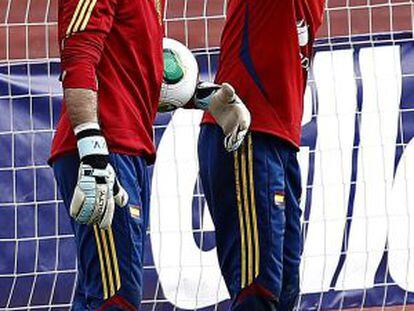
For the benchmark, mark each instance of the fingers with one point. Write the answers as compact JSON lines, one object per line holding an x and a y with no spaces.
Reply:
{"x":120,"y":195}
{"x":100,"y":204}
{"x":109,"y":214}
{"x":246,"y":119}
{"x":77,"y":201}
{"x":95,"y":196}
{"x":237,"y":125}
{"x":227,"y":92}
{"x":82,"y":206}
{"x":223,"y":96}
{"x":233,"y":141}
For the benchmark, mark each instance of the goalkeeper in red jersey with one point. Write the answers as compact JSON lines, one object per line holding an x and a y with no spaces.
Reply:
{"x":253,"y":194}
{"x":112,"y":69}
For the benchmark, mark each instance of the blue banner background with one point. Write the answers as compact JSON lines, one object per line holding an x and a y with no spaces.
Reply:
{"x":37,"y":249}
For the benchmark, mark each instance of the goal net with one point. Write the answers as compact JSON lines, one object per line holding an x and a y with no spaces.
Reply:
{"x":356,"y":156}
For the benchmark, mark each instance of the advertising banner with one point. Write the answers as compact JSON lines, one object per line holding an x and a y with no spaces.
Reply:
{"x":357,"y":173}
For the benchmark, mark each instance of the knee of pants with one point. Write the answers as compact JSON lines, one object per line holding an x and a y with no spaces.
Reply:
{"x":289,"y":295}
{"x":287,"y":304}
{"x":78,"y":305}
{"x":117,"y":303}
{"x":256,"y":303}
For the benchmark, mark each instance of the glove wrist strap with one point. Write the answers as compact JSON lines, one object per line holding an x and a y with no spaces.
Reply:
{"x":92,"y":146}
{"x":203,"y":95}
{"x":86,"y":126}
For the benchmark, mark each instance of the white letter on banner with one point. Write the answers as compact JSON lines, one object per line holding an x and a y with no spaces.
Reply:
{"x":303,"y":156}
{"x":381,"y":77}
{"x":190,"y":278}
{"x":335,"y":80}
{"x":401,"y":222}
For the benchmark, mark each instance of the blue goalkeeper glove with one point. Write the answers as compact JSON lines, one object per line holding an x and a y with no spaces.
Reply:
{"x":98,"y":188}
{"x":227,"y":108}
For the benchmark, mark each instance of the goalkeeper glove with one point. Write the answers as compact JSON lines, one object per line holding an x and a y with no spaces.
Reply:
{"x":227,"y":108}
{"x":98,"y":188}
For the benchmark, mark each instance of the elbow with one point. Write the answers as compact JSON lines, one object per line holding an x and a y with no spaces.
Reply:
{"x":79,"y":59}
{"x":79,"y":75}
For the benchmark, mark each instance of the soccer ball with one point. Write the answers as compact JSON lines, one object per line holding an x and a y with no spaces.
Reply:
{"x":181,"y":74}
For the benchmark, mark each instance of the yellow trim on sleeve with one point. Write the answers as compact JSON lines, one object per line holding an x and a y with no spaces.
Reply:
{"x":81,"y":16}
{"x":74,"y":17}
{"x":88,"y":15}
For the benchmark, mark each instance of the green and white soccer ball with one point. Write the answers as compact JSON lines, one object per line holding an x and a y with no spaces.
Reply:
{"x":181,"y":74}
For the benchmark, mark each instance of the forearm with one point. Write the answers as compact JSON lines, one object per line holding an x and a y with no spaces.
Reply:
{"x":81,"y":105}
{"x":82,"y":111}
{"x":79,"y":60}
{"x":97,"y":189}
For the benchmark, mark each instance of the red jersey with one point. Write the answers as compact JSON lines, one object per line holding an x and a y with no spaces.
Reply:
{"x":266,"y":49}
{"x":113,"y":47}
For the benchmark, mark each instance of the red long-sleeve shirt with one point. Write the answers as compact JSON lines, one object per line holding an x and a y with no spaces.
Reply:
{"x":266,"y":49}
{"x":113,"y":47}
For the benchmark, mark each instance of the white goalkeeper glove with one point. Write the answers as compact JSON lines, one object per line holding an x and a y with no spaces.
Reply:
{"x":227,"y":108}
{"x":98,"y":188}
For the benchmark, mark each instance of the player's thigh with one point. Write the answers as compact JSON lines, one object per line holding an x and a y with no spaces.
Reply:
{"x":264,"y":209}
{"x":242,"y":190}
{"x":110,"y":261}
{"x":65,"y":169}
{"x":129,"y":227}
{"x":293,"y":232}
{"x":217,"y":172}
{"x":293,"y":235}
{"x":66,"y":174}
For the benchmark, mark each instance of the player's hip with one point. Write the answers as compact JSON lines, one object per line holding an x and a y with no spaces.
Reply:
{"x":259,"y":141}
{"x":110,"y":260}
{"x":250,"y":194}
